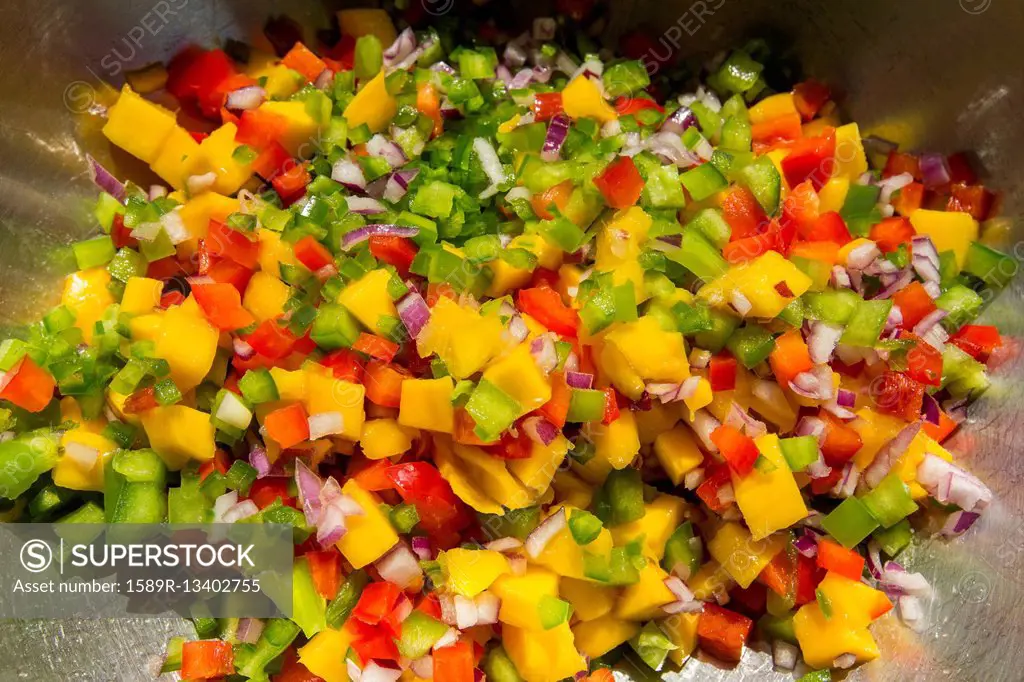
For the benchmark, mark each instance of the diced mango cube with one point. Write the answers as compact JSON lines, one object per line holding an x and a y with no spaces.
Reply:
{"x":291,"y":385}
{"x":462,"y":338}
{"x":518,"y":375}
{"x":597,"y":637}
{"x":661,"y":517}
{"x":832,"y":195}
{"x":536,"y":471}
{"x":572,"y":490}
{"x":188,"y":343}
{"x":176,"y":158}
{"x":372,"y":105}
{"x":589,"y":600}
{"x":520,"y":596}
{"x":301,"y":131}
{"x":455,"y":470}
{"x":216,"y":154}
{"x":850,"y":159}
{"x":563,"y":556}
{"x":370,"y":534}
{"x":652,"y":352}
{"x":949,"y":230}
{"x":198,"y":211}
{"x":493,"y":478}
{"x":138,"y":126}
{"x":471,"y":571}
{"x":427,"y":404}
{"x":384,"y":438}
{"x":773,"y":106}
{"x":141,"y":295}
{"x":363,"y":22}
{"x":768,"y":496}
{"x":265,"y":296}
{"x":368,"y":299}
{"x":68,"y":473}
{"x":644,"y":599}
{"x":740,"y":554}
{"x":617,"y":443}
{"x":327,"y":394}
{"x":324,"y":655}
{"x":677,"y":452}
{"x":178,"y":434}
{"x":653,"y":422}
{"x":876,"y":430}
{"x":87,"y":296}
{"x":274,"y":252}
{"x":756,"y":280}
{"x":681,"y":629}
{"x":543,"y":655}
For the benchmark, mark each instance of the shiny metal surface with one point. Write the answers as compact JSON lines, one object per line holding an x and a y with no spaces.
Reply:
{"x":934,"y":74}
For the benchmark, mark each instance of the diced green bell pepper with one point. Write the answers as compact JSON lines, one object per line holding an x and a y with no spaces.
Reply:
{"x":894,"y":540}
{"x":334,"y":327}
{"x":890,"y":502}
{"x":369,"y":57}
{"x":499,"y":667}
{"x":703,"y":181}
{"x":257,"y":386}
{"x":850,"y":522}
{"x":738,"y":73}
{"x":584,"y":526}
{"x":652,"y":645}
{"x":711,"y":223}
{"x":799,"y":451}
{"x":94,"y":252}
{"x":835,"y":306}
{"x":680,"y":550}
{"x":777,"y":627}
{"x":348,"y":595}
{"x":308,"y":607}
{"x":698,"y":255}
{"x":23,"y":459}
{"x":751,"y":344}
{"x":419,"y":634}
{"x":404,"y":518}
{"x":585,"y":405}
{"x":90,"y":512}
{"x":625,"y":79}
{"x":866,"y":323}
{"x":492,"y":409}
{"x":762,"y":178}
{"x":992,"y":267}
{"x":624,"y":492}
{"x":723,"y":326}
{"x":962,"y":304}
{"x":251,"y":660}
{"x":552,"y":611}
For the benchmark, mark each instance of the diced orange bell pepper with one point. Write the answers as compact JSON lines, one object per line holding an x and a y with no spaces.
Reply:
{"x":909,"y":199}
{"x":809,"y":97}
{"x":891,"y":233}
{"x":384,"y":383}
{"x":741,"y":210}
{"x":291,"y":184}
{"x":557,"y":408}
{"x":841,"y":442}
{"x":428,"y":102}
{"x":556,"y":194}
{"x":301,"y":59}
{"x":31,"y":387}
{"x":914,"y":304}
{"x":206,"y":659}
{"x":376,"y":347}
{"x":826,"y":252}
{"x":785,"y":128}
{"x":739,"y":450}
{"x":222,"y":305}
{"x":790,"y":357}
{"x":288,"y":426}
{"x":811,"y":158}
{"x":325,"y":567}
{"x":454,"y":663}
{"x":898,"y":163}
{"x":312,"y":253}
{"x":224,"y":242}
{"x":834,"y":557}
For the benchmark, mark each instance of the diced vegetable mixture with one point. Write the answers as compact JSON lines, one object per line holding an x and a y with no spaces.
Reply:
{"x":545,"y":365}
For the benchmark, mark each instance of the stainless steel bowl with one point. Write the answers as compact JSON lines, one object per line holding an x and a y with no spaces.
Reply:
{"x":944,"y":75}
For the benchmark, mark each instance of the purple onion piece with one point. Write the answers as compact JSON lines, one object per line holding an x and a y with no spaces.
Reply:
{"x":934,"y":170}
{"x":579,"y":379}
{"x":105,"y":180}
{"x":414,"y":313}
{"x":362,"y":234}
{"x":930,"y":409}
{"x":558,"y":130}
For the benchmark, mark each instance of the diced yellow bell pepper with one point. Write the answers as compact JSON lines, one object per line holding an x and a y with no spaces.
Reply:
{"x":743,"y":557}
{"x":518,"y":375}
{"x":141,"y":295}
{"x":644,"y":599}
{"x":68,"y":473}
{"x":138,"y":126}
{"x":773,"y":107}
{"x":563,"y":556}
{"x":427,"y":404}
{"x":543,"y":655}
{"x":471,"y":571}
{"x":176,"y":158}
{"x":291,"y":385}
{"x":520,"y":596}
{"x":589,"y":600}
{"x":681,"y":629}
{"x":582,"y":99}
{"x":661,"y":517}
{"x":832,"y":195}
{"x":710,"y":581}
{"x":493,"y":478}
{"x":455,"y":471}
{"x":368,"y":299}
{"x":655,"y":421}
{"x":757,"y":280}
{"x":179,"y":434}
{"x":362,"y":22}
{"x":850,"y":160}
{"x":571,"y":490}
{"x":217,"y":155}
{"x":324,"y":655}
{"x":536,"y":471}
{"x":327,"y":394}
{"x":875,"y":430}
{"x":768,"y":496}
{"x":370,"y":534}
{"x":265,"y":296}
{"x":655,"y":354}
{"x":372,"y":105}
{"x":462,"y":338}
{"x":189,"y":344}
{"x":302,"y":129}
{"x":384,"y":438}
{"x":200,"y":210}
{"x":87,"y":296}
{"x":949,"y":230}
{"x":597,"y":637}
{"x":617,"y":443}
{"x":677,"y":452}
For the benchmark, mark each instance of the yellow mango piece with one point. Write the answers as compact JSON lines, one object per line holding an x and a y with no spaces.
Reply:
{"x":327,"y":394}
{"x":769,"y":401}
{"x":427,"y":404}
{"x":742,"y":556}
{"x":141,"y":295}
{"x":368,"y":299}
{"x":617,"y":443}
{"x":216,"y":154}
{"x":643,"y":600}
{"x":520,"y":596}
{"x":701,"y":397}
{"x":536,"y":471}
{"x":505,"y":278}
{"x":678,"y":453}
{"x":189,"y":344}
{"x":653,"y":422}
{"x":115,"y":401}
{"x":619,"y":244}
{"x":493,"y":478}
{"x":372,"y":105}
{"x":70,"y":411}
{"x":138,"y":126}
{"x":661,"y":517}
{"x":572,"y":490}
{"x":710,"y":581}
{"x":302,"y":129}
{"x":265,"y":296}
{"x":597,"y":637}
{"x":850,"y":160}
{"x":463,"y":338}
{"x":543,"y":655}
{"x":384,"y":438}
{"x":652,"y":352}
{"x":768,"y":496}
{"x":616,"y":368}
{"x":832,"y":195}
{"x":455,"y":471}
{"x":200,"y":210}
{"x":949,"y":230}
{"x":518,"y":375}
{"x":756,"y":280}
{"x":589,"y":600}
{"x":370,"y":535}
{"x":681,"y":629}
{"x":176,"y":157}
{"x":87,"y":296}
{"x":822,"y":639}
{"x":772,"y":107}
{"x":563,"y":556}
{"x":274,"y":252}
{"x":324,"y":655}
{"x":362,"y":22}
{"x":179,"y":434}
{"x":291,"y":385}
{"x":875,"y":430}
{"x":906,"y":465}
{"x":471,"y":571}
{"x":283,"y":82}
{"x":68,"y":473}
{"x":582,"y":99}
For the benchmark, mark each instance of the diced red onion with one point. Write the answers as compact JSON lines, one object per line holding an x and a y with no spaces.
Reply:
{"x":704,"y":423}
{"x":889,"y":453}
{"x":784,"y":655}
{"x":845,"y":661}
{"x":105,"y":180}
{"x":249,"y":630}
{"x":891,"y":184}
{"x":242,"y":349}
{"x":726,"y":494}
{"x":810,"y":426}
{"x":423,"y":667}
{"x":81,"y":454}
{"x":566,"y":64}
{"x":325,"y":424}
{"x":414,"y":313}
{"x":487,"y":605}
{"x":514,"y":55}
{"x":222,"y":504}
{"x":670,"y":146}
{"x":678,"y":122}
{"x":400,"y":566}
{"x":504,"y":544}
{"x":197,"y":184}
{"x":738,"y":418}
{"x":896,"y":284}
{"x":544,"y":533}
{"x":517,"y":328}
{"x":893,"y":321}
{"x":936,"y":337}
{"x":309,"y":486}
{"x":685,"y":601}
{"x":540,"y":430}
{"x":376,"y":673}
{"x":421,"y":547}
{"x":558,"y":130}
{"x":542,"y":348}
{"x":930,"y":409}
{"x":398,"y":184}
{"x":807,"y":545}
{"x":354,"y":237}
{"x":934,"y":289}
{"x":465,"y":612}
{"x":847,"y":483}
{"x":579,"y":379}
{"x":949,"y":484}
{"x":364,"y":205}
{"x":402,"y":47}
{"x":517,"y":564}
{"x":700,"y":358}
{"x":897,"y":580}
{"x":259,"y":460}
{"x":934,"y":170}
{"x":910,"y":611}
{"x":822,"y":341}
{"x":350,"y":174}
{"x":740,"y":303}
{"x":242,"y":510}
{"x":693,"y":478}
{"x":815,"y":384}
{"x":838,"y":410}
{"x":959,"y":522}
{"x":381,"y":147}
{"x":846,"y":398}
{"x":929,"y":321}
{"x":243,"y":99}
{"x":818,"y":468}
{"x":840,"y":277}
{"x":491,"y":164}
{"x":862,"y":256}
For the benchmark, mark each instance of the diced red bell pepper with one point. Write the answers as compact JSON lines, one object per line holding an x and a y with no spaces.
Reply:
{"x":376,"y":347}
{"x":430,"y":605}
{"x":511,"y":447}
{"x":545,"y":305}
{"x":224,"y":242}
{"x":164,"y":268}
{"x":264,"y":491}
{"x":924,"y":361}
{"x":723,"y":633}
{"x":207,"y":659}
{"x":834,"y":557}
{"x":345,"y":364}
{"x":384,"y":383}
{"x":961,"y":172}
{"x":811,"y":158}
{"x":972,"y":199}
{"x":272,"y":161}
{"x":627,"y":106}
{"x":325,"y":568}
{"x":312,"y":253}
{"x":808,"y":575}
{"x":809,"y":97}
{"x":454,"y":663}
{"x":121,"y":235}
{"x":620,"y":183}
{"x":841,"y":442}
{"x":750,"y":600}
{"x":31,"y":387}
{"x":271,"y":340}
{"x":914,"y":304}
{"x":227,"y":271}
{"x":396,"y":251}
{"x":547,"y":105}
{"x":898,"y":163}
{"x":777,"y":237}
{"x":722,"y":372}
{"x":741,"y":210}
{"x":739,"y":450}
{"x":941,"y":431}
{"x":785,"y":128}
{"x":222,"y":305}
{"x":716,"y":477}
{"x":801,"y":209}
{"x":195,"y":76}
{"x":220,"y":463}
{"x":641,"y":45}
{"x":557,"y":408}
{"x":373,"y":643}
{"x":897,"y":394}
{"x":780,"y":574}
{"x":141,"y":401}
{"x":288,"y":426}
{"x":977,"y":340}
{"x":611,"y":406}
{"x":891,"y":233}
{"x":908,"y":199}
{"x":291,"y":183}
{"x":300,"y":58}
{"x":830,"y":227}
{"x":258,"y":128}
{"x":421,"y":485}
{"x":558,"y":195}
{"x":820,"y":486}
{"x":371,"y":475}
